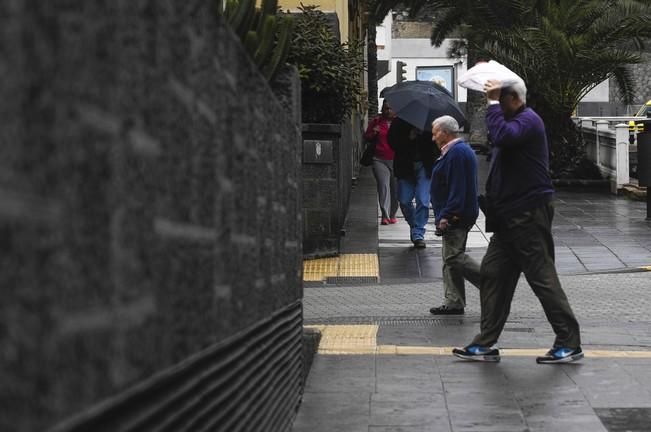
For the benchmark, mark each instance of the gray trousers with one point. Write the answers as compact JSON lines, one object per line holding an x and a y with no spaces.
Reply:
{"x":457,"y":267}
{"x":524,"y":244}
{"x":387,"y":189}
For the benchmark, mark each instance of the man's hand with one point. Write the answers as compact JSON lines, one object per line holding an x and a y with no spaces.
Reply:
{"x":443,"y":224}
{"x":493,"y":90}
{"x":376,"y":129}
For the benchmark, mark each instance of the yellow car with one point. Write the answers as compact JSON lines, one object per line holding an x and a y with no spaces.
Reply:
{"x":643,"y":112}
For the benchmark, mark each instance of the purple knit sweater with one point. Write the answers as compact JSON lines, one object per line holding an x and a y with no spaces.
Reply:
{"x":518,"y":178}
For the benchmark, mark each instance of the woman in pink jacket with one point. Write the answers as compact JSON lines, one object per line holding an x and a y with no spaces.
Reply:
{"x":377,"y":131}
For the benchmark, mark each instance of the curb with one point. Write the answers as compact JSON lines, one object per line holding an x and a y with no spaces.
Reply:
{"x":311,"y":340}
{"x":582,"y":183}
{"x":641,"y":269}
{"x":634,"y":192}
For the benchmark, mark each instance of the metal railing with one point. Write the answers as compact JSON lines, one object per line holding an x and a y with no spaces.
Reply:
{"x":607,"y":145}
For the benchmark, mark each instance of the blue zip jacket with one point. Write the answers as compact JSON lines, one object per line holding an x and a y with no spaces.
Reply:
{"x":454,"y":186}
{"x":518,"y":179}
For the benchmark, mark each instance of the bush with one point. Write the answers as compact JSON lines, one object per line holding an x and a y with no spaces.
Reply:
{"x":330,"y":72}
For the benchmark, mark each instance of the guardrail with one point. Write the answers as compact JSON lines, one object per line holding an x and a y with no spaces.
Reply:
{"x":612,"y":121}
{"x":608,"y":147}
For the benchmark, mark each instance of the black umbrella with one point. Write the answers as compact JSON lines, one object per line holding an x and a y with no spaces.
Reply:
{"x":420,"y":102}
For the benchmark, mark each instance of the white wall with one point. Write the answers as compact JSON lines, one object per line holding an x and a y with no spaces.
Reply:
{"x":598,"y":94}
{"x":419,"y":48}
{"x":383,"y":38}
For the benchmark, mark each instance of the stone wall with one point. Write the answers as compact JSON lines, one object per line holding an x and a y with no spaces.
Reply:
{"x":642,"y":76}
{"x":330,"y":163}
{"x":615,"y":107}
{"x":149,"y":200}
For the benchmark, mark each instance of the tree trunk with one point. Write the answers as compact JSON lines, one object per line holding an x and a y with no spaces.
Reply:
{"x":372,"y":69}
{"x":565,"y":145}
{"x":567,"y":157}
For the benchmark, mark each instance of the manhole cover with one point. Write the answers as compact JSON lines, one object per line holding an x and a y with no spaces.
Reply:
{"x":389,"y":321}
{"x":424,"y":322}
{"x":351,"y":280}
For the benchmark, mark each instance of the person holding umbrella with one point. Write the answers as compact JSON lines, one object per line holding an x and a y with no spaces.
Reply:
{"x":413,"y":160}
{"x":416,"y":104}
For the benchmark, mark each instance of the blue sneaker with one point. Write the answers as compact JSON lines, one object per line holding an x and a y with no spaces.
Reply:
{"x":561,"y":355}
{"x":476,"y":352}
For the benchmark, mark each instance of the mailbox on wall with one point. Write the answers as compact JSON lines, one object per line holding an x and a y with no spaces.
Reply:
{"x":317,"y":151}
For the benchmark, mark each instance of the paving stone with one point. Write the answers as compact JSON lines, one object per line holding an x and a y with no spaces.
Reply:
{"x":323,"y":410}
{"x":626,"y":419}
{"x":442,"y":426}
{"x":577,"y":423}
{"x":401,"y":411}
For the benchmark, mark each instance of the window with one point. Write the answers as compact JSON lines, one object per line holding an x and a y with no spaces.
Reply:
{"x":443,"y":75}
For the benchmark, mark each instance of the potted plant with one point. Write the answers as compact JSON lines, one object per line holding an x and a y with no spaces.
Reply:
{"x":332,"y":88}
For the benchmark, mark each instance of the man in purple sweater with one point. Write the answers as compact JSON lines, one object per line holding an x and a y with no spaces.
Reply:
{"x":519,"y":195}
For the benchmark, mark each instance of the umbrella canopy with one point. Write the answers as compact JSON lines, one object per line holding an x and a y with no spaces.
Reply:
{"x":420,"y":102}
{"x":475,"y":78}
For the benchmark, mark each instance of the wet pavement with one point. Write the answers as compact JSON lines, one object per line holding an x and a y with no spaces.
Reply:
{"x":384,"y":362}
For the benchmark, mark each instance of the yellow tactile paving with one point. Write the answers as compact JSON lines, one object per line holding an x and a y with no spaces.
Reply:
{"x":647,"y":268}
{"x":362,"y":340}
{"x":319,"y":269}
{"x":358,"y":265}
{"x":346,"y":265}
{"x":347,"y":339}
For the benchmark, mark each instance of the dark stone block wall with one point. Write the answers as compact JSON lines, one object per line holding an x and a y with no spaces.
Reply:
{"x":642,"y":75}
{"x":149,"y":198}
{"x":327,"y":185}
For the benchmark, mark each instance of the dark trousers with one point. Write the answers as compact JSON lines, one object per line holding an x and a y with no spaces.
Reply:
{"x":457,"y":267}
{"x":524,"y":244}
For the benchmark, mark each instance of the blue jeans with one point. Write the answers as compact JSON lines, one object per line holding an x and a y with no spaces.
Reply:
{"x":416,"y":216}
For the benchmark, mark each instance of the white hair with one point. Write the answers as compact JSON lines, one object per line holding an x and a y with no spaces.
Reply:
{"x":520,"y":89}
{"x":447,"y":124}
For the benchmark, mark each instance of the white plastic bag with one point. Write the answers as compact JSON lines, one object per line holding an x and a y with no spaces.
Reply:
{"x":475,"y":78}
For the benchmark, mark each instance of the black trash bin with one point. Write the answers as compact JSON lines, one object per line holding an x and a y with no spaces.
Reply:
{"x":644,"y":161}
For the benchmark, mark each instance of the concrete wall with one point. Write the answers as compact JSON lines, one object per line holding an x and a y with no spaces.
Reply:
{"x":149,"y":205}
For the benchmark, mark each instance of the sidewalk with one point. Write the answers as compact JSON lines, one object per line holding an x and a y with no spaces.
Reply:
{"x":384,"y":362}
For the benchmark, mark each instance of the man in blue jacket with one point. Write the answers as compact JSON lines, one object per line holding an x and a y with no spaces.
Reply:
{"x":519,"y":195}
{"x":454,"y":200}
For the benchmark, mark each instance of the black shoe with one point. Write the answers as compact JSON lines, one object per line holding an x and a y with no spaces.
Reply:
{"x":446,"y":310}
{"x":561,"y":355}
{"x":419,"y":244}
{"x":478,"y":353}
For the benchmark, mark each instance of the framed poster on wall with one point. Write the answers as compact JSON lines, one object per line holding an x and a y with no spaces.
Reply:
{"x":443,"y":75}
